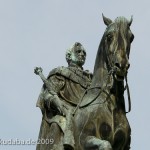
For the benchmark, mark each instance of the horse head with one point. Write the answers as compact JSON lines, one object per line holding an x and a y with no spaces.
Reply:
{"x":117,"y":39}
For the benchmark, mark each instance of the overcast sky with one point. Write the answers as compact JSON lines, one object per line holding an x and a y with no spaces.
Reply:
{"x":38,"y":32}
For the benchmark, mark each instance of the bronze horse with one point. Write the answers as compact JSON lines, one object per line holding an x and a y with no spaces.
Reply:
{"x":101,"y":115}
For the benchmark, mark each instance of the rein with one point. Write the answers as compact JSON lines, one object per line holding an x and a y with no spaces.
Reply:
{"x":77,"y":107}
{"x":128,"y":93}
{"x":102,"y":90}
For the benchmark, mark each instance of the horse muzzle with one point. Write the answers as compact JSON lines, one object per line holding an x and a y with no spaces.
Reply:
{"x":120,"y":71}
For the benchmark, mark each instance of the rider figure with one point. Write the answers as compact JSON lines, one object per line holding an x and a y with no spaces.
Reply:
{"x":60,"y":95}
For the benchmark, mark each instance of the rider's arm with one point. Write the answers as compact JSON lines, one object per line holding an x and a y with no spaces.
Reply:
{"x":51,"y":97}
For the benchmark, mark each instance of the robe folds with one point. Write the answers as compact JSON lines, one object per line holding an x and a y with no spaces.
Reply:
{"x":69,"y":83}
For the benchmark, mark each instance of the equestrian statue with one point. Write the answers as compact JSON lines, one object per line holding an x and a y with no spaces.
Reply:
{"x":83,"y":110}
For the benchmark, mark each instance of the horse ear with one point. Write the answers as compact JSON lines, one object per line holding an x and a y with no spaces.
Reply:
{"x":130,"y":22}
{"x":107,"y":21}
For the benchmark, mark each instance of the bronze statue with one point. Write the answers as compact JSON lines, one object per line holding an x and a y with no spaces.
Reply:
{"x":93,"y":112}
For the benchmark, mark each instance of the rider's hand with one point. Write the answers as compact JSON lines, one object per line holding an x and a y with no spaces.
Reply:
{"x":53,"y":102}
{"x":59,"y":105}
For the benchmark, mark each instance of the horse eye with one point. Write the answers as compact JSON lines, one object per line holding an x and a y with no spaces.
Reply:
{"x":109,"y":37}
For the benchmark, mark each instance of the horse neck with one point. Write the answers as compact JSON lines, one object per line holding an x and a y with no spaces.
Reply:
{"x":101,"y":78}
{"x":100,"y":73}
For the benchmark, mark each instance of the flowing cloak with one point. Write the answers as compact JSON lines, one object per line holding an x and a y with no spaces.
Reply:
{"x":69,"y":83}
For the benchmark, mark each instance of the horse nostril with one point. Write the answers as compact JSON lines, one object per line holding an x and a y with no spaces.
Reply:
{"x":128,"y":66}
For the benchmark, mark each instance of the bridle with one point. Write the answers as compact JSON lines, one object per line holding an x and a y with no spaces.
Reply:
{"x":113,"y":70}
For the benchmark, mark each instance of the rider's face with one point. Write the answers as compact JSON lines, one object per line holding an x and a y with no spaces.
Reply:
{"x":78,"y":56}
